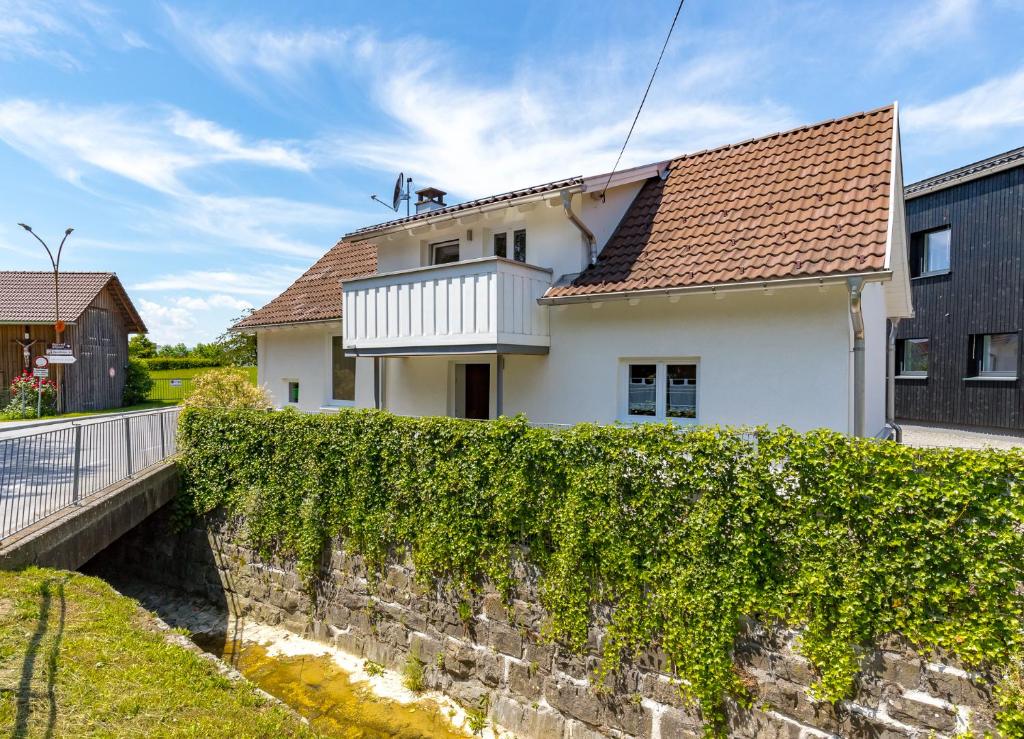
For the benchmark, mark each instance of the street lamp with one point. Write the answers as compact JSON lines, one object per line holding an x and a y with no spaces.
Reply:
{"x":58,"y":327}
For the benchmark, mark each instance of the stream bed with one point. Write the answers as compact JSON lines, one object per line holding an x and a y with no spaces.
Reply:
{"x":313,"y":680}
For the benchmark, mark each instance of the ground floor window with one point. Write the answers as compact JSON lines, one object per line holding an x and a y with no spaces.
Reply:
{"x":995,"y":355}
{"x":343,"y":372}
{"x":665,"y":390}
{"x":912,"y":355}
{"x":293,"y":391}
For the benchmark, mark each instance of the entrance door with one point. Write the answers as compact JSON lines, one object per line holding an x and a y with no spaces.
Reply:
{"x":478,"y":391}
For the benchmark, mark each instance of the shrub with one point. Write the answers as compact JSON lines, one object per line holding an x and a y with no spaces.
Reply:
{"x":137,"y":382}
{"x":23,"y":397}
{"x":679,"y":536}
{"x":156,"y":364}
{"x":227,"y":387}
{"x":413,"y":674}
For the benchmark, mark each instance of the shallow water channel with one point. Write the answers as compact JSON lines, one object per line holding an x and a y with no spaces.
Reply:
{"x":336,"y":702}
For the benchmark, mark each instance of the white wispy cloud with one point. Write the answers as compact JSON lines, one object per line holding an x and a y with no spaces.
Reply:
{"x":58,"y":33}
{"x":991,"y":105}
{"x":152,"y":147}
{"x":472,"y":138}
{"x":259,"y":284}
{"x":917,"y":26}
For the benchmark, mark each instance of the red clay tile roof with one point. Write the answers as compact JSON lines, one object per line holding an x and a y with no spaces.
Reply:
{"x":316,"y":296}
{"x":489,"y":200}
{"x":28,"y":297}
{"x":808,"y":202}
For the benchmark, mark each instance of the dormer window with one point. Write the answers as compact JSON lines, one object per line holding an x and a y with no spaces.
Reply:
{"x":518,"y":238}
{"x":930,"y":252}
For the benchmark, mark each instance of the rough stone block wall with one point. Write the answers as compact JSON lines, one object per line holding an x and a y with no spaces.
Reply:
{"x":493,"y":652}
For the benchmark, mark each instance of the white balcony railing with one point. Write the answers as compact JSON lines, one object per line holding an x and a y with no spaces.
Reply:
{"x":480,"y":305}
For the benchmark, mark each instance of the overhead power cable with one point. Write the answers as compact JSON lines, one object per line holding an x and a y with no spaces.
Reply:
{"x":644,"y":98}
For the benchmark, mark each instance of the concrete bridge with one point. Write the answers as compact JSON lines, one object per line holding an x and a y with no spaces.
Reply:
{"x":70,"y":489}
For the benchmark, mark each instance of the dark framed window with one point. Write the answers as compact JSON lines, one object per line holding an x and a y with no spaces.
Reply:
{"x":680,"y":391}
{"x":519,"y":245}
{"x":445,"y":252}
{"x":293,"y":392}
{"x":662,"y":390}
{"x":343,"y":372}
{"x":912,"y":357}
{"x":930,"y":252}
{"x":995,"y":355}
{"x":501,"y":244}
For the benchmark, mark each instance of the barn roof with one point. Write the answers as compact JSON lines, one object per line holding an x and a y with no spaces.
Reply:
{"x":28,"y":297}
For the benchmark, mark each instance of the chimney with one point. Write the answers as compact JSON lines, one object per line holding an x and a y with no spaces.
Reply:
{"x":430,"y":198}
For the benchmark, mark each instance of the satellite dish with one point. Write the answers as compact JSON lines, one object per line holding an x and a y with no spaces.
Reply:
{"x":397,"y":197}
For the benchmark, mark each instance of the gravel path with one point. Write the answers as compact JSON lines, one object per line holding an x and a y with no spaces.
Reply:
{"x":941,"y":436}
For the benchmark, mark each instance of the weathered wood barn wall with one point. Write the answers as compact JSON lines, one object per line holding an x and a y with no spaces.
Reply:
{"x":98,"y":337}
{"x":982,"y":293}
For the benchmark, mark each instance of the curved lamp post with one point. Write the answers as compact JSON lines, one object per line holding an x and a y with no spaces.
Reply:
{"x":55,"y":261}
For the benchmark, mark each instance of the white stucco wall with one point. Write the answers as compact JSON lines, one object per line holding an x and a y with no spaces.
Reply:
{"x":772,"y":359}
{"x":552,"y":241}
{"x":303,"y":353}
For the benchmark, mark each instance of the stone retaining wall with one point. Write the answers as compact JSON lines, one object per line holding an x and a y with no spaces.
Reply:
{"x":486,"y":652}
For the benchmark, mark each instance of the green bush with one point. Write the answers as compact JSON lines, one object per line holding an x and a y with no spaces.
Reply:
{"x":681,"y":534}
{"x":137,"y":382}
{"x":227,"y":387}
{"x":23,"y":398}
{"x":176,"y":363}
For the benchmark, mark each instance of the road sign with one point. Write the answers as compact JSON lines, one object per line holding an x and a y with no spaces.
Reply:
{"x":60,"y":359}
{"x":59,"y":349}
{"x":175,"y":383}
{"x":41,"y":362}
{"x":41,"y":372}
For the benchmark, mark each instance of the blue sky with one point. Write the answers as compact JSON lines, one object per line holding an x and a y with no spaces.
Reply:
{"x":209,"y":152}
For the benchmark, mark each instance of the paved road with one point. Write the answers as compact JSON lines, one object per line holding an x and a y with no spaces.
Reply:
{"x":942,"y":436}
{"x":37,"y":463}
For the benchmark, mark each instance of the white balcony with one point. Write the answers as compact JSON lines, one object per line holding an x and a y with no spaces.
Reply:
{"x":477,"y":306}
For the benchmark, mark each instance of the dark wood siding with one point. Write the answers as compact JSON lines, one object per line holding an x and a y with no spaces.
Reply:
{"x":99,"y":340}
{"x":983,"y":293}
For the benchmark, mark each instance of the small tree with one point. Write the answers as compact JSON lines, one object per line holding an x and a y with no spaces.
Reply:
{"x":238,"y":349}
{"x":137,"y":382}
{"x":226,"y":388}
{"x":140,"y":347}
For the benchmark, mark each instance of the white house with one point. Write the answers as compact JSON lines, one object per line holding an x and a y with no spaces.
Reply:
{"x":748,"y":284}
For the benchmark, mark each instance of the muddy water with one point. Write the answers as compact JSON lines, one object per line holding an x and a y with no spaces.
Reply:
{"x":318,"y":689}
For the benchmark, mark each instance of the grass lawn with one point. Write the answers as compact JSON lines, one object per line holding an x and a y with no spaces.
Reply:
{"x":77,"y":659}
{"x":183,"y":374}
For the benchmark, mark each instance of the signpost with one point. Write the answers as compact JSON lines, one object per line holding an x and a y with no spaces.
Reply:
{"x":60,"y":354}
{"x":41,"y":369}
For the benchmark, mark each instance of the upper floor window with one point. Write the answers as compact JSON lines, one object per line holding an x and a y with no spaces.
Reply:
{"x":501,"y":240}
{"x":912,"y":357}
{"x":929,"y":252}
{"x":444,"y":252}
{"x":995,"y":355}
{"x":661,"y":390}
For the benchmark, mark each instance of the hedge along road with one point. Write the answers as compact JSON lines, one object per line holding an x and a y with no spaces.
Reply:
{"x":37,"y":461}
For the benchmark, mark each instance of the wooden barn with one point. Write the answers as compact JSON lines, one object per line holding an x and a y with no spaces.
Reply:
{"x":98,"y":317}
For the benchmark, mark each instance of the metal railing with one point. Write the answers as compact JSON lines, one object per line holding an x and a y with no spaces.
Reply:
{"x":51,"y":467}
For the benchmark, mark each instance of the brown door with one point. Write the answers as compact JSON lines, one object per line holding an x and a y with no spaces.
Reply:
{"x":478,"y":391}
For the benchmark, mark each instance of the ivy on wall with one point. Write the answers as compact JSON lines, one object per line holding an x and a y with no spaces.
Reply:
{"x":682,"y":534}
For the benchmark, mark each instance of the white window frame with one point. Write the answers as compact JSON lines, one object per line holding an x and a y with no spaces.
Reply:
{"x":288,"y":390}
{"x":660,"y":388}
{"x":924,"y":271}
{"x":330,"y":401}
{"x":916,"y":374}
{"x":1001,"y":374}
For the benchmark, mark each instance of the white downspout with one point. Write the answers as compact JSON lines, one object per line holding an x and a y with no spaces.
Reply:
{"x":856,"y":285}
{"x":890,"y":382}
{"x":590,"y":241}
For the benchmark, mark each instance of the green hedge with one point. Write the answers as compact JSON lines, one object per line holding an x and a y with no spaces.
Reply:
{"x":177,"y":363}
{"x":681,"y":533}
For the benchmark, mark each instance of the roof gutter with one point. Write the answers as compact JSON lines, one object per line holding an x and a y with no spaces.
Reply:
{"x":877,"y":276}
{"x":856,"y":286}
{"x":589,"y":240}
{"x":284,"y":324}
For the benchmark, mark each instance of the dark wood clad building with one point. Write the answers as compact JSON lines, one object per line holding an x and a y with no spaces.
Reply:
{"x":98,"y":315}
{"x":959,"y":361}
